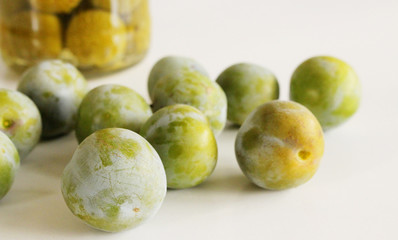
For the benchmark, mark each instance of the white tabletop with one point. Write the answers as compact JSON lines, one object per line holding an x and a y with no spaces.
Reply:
{"x":354,"y":194}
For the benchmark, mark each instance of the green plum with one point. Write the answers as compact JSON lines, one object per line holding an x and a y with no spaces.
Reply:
{"x":9,"y":164}
{"x":247,"y":86}
{"x":194,"y":89}
{"x":173,"y":66}
{"x":185,"y":142}
{"x":57,"y":88}
{"x":20,"y":120}
{"x":280,"y":145}
{"x":111,"y":106}
{"x":328,"y":87}
{"x":115,"y":180}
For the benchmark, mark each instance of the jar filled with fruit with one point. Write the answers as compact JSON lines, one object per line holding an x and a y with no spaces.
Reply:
{"x":95,"y":35}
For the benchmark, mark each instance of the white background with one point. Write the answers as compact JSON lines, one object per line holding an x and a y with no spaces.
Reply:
{"x":354,"y":195}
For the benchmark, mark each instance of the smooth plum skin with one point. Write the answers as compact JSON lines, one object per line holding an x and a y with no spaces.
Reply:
{"x":20,"y":120}
{"x":57,"y":89}
{"x":173,"y":67}
{"x":194,"y":89}
{"x":110,"y":106}
{"x":280,"y":145}
{"x":329,"y":88}
{"x":247,"y":86}
{"x":115,"y":180}
{"x":185,"y":142}
{"x":96,"y":38}
{"x":9,"y":164}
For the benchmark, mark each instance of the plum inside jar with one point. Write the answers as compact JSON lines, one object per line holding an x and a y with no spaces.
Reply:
{"x":97,"y":36}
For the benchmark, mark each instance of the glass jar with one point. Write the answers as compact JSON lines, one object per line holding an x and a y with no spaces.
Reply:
{"x":95,"y":35}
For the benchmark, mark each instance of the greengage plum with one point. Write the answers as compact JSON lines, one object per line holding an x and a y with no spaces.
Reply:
{"x":247,"y":86}
{"x":279,"y":145}
{"x":194,"y":89}
{"x":328,"y":87}
{"x":57,"y":89}
{"x":22,"y":41}
{"x":109,"y":106}
{"x":173,"y":67}
{"x":115,"y":180}
{"x":9,"y":164}
{"x":96,"y":38}
{"x":20,"y":120}
{"x":185,"y":142}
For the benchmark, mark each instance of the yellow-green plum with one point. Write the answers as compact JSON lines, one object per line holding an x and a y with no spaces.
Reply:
{"x":9,"y":164}
{"x":57,"y":88}
{"x":96,"y":38}
{"x":247,"y":86}
{"x":20,"y":120}
{"x":31,"y":36}
{"x":110,"y":106}
{"x":173,"y":66}
{"x":194,"y":89}
{"x":115,"y":180}
{"x":328,"y":87}
{"x":185,"y":142}
{"x":280,"y":145}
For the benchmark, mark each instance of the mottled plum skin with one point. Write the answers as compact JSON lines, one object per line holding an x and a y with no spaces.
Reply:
{"x":185,"y":142}
{"x":247,"y":86}
{"x":9,"y":164}
{"x":173,"y":66}
{"x":328,"y":87}
{"x":115,"y":180}
{"x":196,"y":90}
{"x":110,"y":106}
{"x":20,"y":120}
{"x":280,"y":145}
{"x":57,"y":89}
